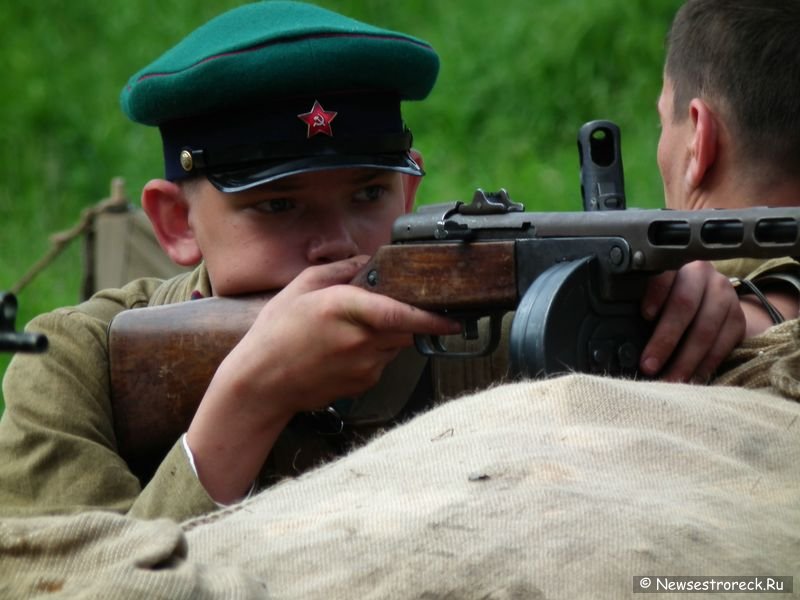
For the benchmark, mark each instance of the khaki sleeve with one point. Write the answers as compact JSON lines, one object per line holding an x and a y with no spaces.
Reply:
{"x":173,"y":492}
{"x":762,"y":272}
{"x":57,"y":445}
{"x":758,"y":278}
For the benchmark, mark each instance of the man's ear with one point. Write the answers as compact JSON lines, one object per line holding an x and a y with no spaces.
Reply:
{"x":168,"y":210}
{"x":703,"y":143}
{"x":411,"y":182}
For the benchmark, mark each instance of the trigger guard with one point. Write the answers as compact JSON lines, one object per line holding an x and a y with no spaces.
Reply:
{"x":431,"y":345}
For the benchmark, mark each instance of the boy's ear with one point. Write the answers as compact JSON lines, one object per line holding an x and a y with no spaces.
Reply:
{"x":168,"y":210}
{"x":703,"y":144}
{"x":411,"y":183}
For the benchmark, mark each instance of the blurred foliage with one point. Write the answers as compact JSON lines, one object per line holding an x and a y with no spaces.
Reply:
{"x":518,"y":79}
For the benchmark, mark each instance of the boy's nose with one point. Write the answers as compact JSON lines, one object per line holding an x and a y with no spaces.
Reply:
{"x":332,"y":244}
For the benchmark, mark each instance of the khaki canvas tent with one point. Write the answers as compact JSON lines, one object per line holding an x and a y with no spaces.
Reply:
{"x":119,"y":245}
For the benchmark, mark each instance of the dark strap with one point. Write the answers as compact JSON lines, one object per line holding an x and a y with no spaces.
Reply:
{"x":748,"y":287}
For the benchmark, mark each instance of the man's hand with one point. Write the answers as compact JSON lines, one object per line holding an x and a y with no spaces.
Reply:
{"x":700,"y":321}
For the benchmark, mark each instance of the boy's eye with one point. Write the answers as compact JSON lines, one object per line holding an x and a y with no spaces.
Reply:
{"x":276,"y":205}
{"x":371,"y":193}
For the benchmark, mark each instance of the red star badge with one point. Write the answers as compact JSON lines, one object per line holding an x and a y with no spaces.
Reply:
{"x":318,"y":120}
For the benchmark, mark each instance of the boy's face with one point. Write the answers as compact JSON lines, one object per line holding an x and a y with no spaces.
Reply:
{"x":261,"y":239}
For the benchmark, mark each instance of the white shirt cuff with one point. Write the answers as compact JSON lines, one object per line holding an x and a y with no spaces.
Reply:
{"x":192,"y":464}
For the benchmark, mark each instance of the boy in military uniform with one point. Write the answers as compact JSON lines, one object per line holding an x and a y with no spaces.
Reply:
{"x":287,"y":160}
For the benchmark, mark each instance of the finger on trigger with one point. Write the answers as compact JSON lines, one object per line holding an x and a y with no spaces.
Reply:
{"x":386,"y":314}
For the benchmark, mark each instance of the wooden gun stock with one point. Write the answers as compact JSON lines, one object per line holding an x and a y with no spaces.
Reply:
{"x":445,"y":276}
{"x":162,"y":359}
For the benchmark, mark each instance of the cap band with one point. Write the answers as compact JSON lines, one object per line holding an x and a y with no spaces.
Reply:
{"x":242,"y":156}
{"x":362,"y":125}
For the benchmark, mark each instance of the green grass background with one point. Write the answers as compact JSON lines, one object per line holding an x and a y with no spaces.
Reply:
{"x":518,"y":79}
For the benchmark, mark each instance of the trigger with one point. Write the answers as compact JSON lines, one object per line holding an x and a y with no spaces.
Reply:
{"x":434,"y":345}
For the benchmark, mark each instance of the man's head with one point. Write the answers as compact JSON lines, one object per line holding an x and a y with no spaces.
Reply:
{"x":733,"y":72}
{"x":284,"y":144}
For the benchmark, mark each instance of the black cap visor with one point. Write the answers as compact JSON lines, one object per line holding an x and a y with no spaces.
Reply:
{"x":239,"y":180}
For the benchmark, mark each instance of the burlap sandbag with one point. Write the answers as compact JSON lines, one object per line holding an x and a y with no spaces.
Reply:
{"x":103,"y":556}
{"x":567,"y":488}
{"x":559,"y":489}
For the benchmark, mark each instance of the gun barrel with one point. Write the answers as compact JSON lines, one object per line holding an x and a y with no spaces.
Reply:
{"x":22,"y":342}
{"x":11,"y":340}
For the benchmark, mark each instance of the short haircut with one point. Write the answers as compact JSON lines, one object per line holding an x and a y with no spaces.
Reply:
{"x":743,"y":58}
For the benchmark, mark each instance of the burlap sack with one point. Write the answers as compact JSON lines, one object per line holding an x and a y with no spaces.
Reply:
{"x":567,"y":488}
{"x":559,"y":489}
{"x":103,"y":556}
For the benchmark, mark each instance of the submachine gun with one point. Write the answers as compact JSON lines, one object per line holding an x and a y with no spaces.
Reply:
{"x":574,"y":280}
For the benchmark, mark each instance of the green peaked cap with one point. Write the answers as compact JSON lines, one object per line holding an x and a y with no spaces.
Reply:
{"x":273,"y":49}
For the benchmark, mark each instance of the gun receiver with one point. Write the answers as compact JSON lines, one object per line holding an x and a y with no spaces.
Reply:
{"x":575,"y":279}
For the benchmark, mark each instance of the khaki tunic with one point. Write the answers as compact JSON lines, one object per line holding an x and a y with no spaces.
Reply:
{"x":58,"y":451}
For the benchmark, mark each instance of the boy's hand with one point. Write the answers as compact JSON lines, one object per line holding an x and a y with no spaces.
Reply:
{"x":700,"y":321}
{"x":317,"y":340}
{"x":320,"y":339}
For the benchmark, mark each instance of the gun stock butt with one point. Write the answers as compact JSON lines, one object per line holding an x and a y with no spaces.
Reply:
{"x":162,"y":359}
